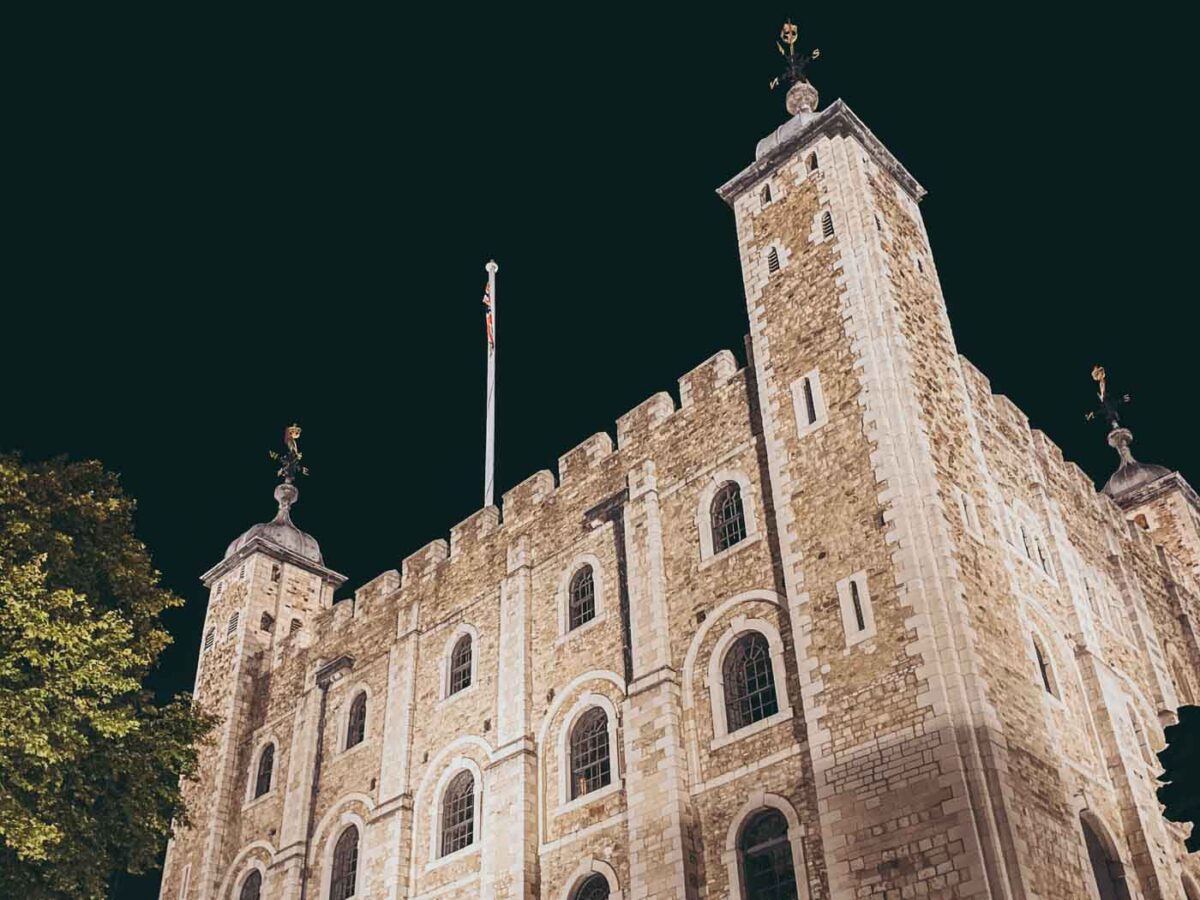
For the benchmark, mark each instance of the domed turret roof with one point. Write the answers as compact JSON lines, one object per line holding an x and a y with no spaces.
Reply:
{"x":281,"y":532}
{"x":1130,"y":474}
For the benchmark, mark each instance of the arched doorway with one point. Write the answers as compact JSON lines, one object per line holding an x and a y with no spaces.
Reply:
{"x":1107,"y":870}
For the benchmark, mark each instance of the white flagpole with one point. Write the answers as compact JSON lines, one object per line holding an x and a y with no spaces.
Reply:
{"x":489,"y":454}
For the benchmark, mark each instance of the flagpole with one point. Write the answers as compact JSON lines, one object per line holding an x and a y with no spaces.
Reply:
{"x":489,"y":453}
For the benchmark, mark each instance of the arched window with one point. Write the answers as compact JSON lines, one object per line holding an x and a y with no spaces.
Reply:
{"x":591,"y":766}
{"x":749,"y":682}
{"x":458,"y":813}
{"x":582,"y":598}
{"x":1044,"y":670}
{"x":356,"y":721}
{"x":594,"y":887}
{"x":266,"y":768}
{"x":460,"y":665}
{"x":767,"y":858}
{"x":827,"y":224}
{"x":728,"y":517}
{"x":267,"y":623}
{"x":773,"y":260}
{"x":1106,"y":869}
{"x":765,"y":197}
{"x":251,"y":887}
{"x":812,"y":162}
{"x":344,"y":874}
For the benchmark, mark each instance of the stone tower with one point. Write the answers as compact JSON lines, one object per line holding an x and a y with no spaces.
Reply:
{"x":269,"y":586}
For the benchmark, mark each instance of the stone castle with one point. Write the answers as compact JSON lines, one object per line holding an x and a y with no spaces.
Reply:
{"x":841,"y":624}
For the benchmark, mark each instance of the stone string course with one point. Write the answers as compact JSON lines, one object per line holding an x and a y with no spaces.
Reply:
{"x":925,"y":761}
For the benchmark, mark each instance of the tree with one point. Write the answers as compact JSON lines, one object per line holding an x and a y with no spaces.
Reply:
{"x":1180,"y":759}
{"x":90,"y":763}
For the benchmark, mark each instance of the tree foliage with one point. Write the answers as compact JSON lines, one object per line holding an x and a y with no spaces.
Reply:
{"x":89,"y":762}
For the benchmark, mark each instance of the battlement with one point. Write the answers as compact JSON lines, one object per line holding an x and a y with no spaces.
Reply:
{"x":380,"y":586}
{"x":576,"y":462}
{"x":706,"y":378}
{"x":473,"y":529}
{"x":424,"y":561}
{"x":522,"y":501}
{"x":637,"y":424}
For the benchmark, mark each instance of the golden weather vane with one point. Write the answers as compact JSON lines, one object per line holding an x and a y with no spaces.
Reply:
{"x":796,"y":65}
{"x":289,"y":462}
{"x":1109,"y":409}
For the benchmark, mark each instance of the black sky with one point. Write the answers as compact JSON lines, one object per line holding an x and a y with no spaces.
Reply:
{"x":220,"y":223}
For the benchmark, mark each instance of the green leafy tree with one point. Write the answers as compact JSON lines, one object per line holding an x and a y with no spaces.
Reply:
{"x":89,"y":762}
{"x":1180,"y":759}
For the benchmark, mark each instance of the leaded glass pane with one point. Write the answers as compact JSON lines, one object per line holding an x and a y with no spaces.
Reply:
{"x":583,"y":597}
{"x":458,"y":813}
{"x":460,"y":665}
{"x":591,"y":767}
{"x":749,"y":682}
{"x":728,"y":518}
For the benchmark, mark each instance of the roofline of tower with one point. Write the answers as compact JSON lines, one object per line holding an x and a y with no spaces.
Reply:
{"x":259,"y":545}
{"x":835,"y":119}
{"x":1156,"y":488}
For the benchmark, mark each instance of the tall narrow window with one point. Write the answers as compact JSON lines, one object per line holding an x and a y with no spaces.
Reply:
{"x":1043,"y":667}
{"x":276,"y":573}
{"x":210,"y":638}
{"x":458,"y":814}
{"x":728,"y":517}
{"x":344,"y":875}
{"x":773,"y":260}
{"x":765,"y":195}
{"x":827,"y":224}
{"x":295,"y":626}
{"x":266,"y":767}
{"x":810,"y":403}
{"x":858,"y":608}
{"x":251,"y":887}
{"x":812,"y":162}
{"x":356,"y":722}
{"x":595,"y":887}
{"x":460,"y":665}
{"x":749,"y":682}
{"x":591,"y":767}
{"x":582,"y":599}
{"x":233,"y":623}
{"x":767,"y":858}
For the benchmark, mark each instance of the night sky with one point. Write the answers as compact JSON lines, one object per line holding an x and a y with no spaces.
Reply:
{"x":220,"y":224}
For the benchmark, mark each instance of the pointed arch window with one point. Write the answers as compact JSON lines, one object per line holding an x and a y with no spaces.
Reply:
{"x":582,"y":598}
{"x":728,"y":517}
{"x":251,"y":887}
{"x":460,"y":665}
{"x":266,"y":769}
{"x":591,"y":764}
{"x":458,"y":814}
{"x":749,"y":682}
{"x":812,"y":165}
{"x":594,"y":887}
{"x":765,"y":194}
{"x":344,"y":875}
{"x":766,"y":857}
{"x":356,"y":721}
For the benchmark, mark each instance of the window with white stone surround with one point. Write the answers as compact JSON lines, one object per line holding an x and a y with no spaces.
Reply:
{"x":457,"y":812}
{"x":581,"y":595}
{"x":858,"y":616}
{"x":775,"y":257}
{"x":808,"y":403}
{"x":460,"y":661}
{"x":589,"y":764}
{"x":747,"y":680}
{"x":764,"y":838}
{"x":743,"y":527}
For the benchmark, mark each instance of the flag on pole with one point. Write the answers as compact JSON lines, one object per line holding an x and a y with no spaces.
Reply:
{"x":487,"y":301}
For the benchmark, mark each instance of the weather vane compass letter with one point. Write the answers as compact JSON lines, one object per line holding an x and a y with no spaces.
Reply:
{"x":289,"y":461}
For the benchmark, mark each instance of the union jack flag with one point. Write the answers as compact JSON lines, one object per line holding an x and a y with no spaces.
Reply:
{"x":487,"y":301}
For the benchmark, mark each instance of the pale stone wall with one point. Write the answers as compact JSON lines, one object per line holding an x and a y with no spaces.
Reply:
{"x":920,"y":757}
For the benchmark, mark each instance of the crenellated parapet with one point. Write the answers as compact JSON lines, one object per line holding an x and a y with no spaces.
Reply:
{"x":637,"y":424}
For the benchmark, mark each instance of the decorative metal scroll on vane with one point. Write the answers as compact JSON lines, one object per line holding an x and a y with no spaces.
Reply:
{"x":795,"y":66}
{"x":289,"y":461}
{"x":1110,"y":406}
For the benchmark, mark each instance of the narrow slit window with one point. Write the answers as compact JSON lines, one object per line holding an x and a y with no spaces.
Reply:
{"x":812,"y":162}
{"x":1043,"y":667}
{"x":773,"y":260}
{"x":233,"y":623}
{"x":810,"y":403}
{"x":276,"y":574}
{"x":858,"y":609}
{"x":765,"y":195}
{"x":295,"y":626}
{"x":210,"y":638}
{"x":827,"y":224}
